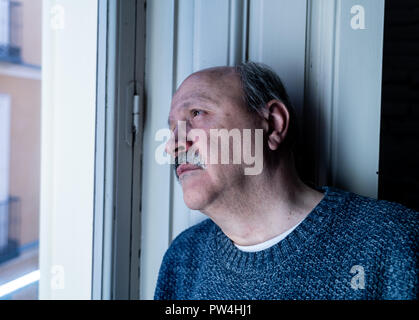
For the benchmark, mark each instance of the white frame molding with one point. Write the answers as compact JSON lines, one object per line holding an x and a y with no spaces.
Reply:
{"x":120,"y":78}
{"x":343,"y":94}
{"x":67,"y":149}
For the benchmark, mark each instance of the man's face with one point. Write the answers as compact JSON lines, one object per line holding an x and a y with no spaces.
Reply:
{"x":209,"y":100}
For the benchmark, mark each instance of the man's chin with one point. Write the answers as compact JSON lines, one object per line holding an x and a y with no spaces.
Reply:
{"x":196,"y":189}
{"x":194,"y":203}
{"x":195,"y":198}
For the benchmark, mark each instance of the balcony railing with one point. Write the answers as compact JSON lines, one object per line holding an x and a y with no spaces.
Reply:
{"x":9,"y":228}
{"x":10,"y":31}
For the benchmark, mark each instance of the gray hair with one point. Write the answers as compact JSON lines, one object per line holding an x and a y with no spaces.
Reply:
{"x":261,"y":85}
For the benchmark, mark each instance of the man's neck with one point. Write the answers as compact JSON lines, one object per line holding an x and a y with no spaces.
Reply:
{"x":266,"y":206}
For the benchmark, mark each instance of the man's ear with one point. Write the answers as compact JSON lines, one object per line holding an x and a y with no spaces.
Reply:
{"x":276,"y":122}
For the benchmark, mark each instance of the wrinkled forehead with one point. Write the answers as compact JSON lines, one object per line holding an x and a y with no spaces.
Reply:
{"x":211,"y":85}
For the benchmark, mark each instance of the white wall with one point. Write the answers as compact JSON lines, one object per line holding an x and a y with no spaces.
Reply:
{"x":67,"y":148}
{"x":277,"y":37}
{"x":357,"y":96}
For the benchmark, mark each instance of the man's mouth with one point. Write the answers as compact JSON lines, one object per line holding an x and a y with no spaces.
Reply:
{"x":186,"y":167}
{"x":184,"y":163}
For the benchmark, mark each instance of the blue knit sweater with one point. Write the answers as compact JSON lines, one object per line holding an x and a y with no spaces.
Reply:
{"x":348,"y":247}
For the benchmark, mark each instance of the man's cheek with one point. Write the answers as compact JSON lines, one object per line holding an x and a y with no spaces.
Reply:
{"x":199,"y":138}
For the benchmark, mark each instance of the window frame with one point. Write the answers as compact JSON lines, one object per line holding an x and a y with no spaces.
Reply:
{"x":120,"y":78}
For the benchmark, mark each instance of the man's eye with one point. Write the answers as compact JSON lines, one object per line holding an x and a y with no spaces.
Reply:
{"x":196,"y":113}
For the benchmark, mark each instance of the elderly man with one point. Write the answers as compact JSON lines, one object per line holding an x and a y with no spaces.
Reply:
{"x":269,"y":235}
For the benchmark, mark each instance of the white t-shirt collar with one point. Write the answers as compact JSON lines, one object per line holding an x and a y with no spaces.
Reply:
{"x":268,"y":243}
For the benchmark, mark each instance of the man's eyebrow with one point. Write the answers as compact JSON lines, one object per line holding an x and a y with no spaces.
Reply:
{"x":197,"y":97}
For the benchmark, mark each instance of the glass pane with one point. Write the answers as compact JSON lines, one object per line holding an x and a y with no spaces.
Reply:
{"x":20,"y":114}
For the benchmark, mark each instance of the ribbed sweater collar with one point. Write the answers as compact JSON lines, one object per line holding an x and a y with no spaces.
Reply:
{"x":250,"y":262}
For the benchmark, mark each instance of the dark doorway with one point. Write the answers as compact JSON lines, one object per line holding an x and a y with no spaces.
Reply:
{"x":399,"y":141}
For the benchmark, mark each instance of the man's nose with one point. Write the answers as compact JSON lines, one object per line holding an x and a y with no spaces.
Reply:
{"x":177,"y":143}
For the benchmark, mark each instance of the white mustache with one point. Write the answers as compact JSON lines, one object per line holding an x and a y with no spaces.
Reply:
{"x":195,"y":159}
